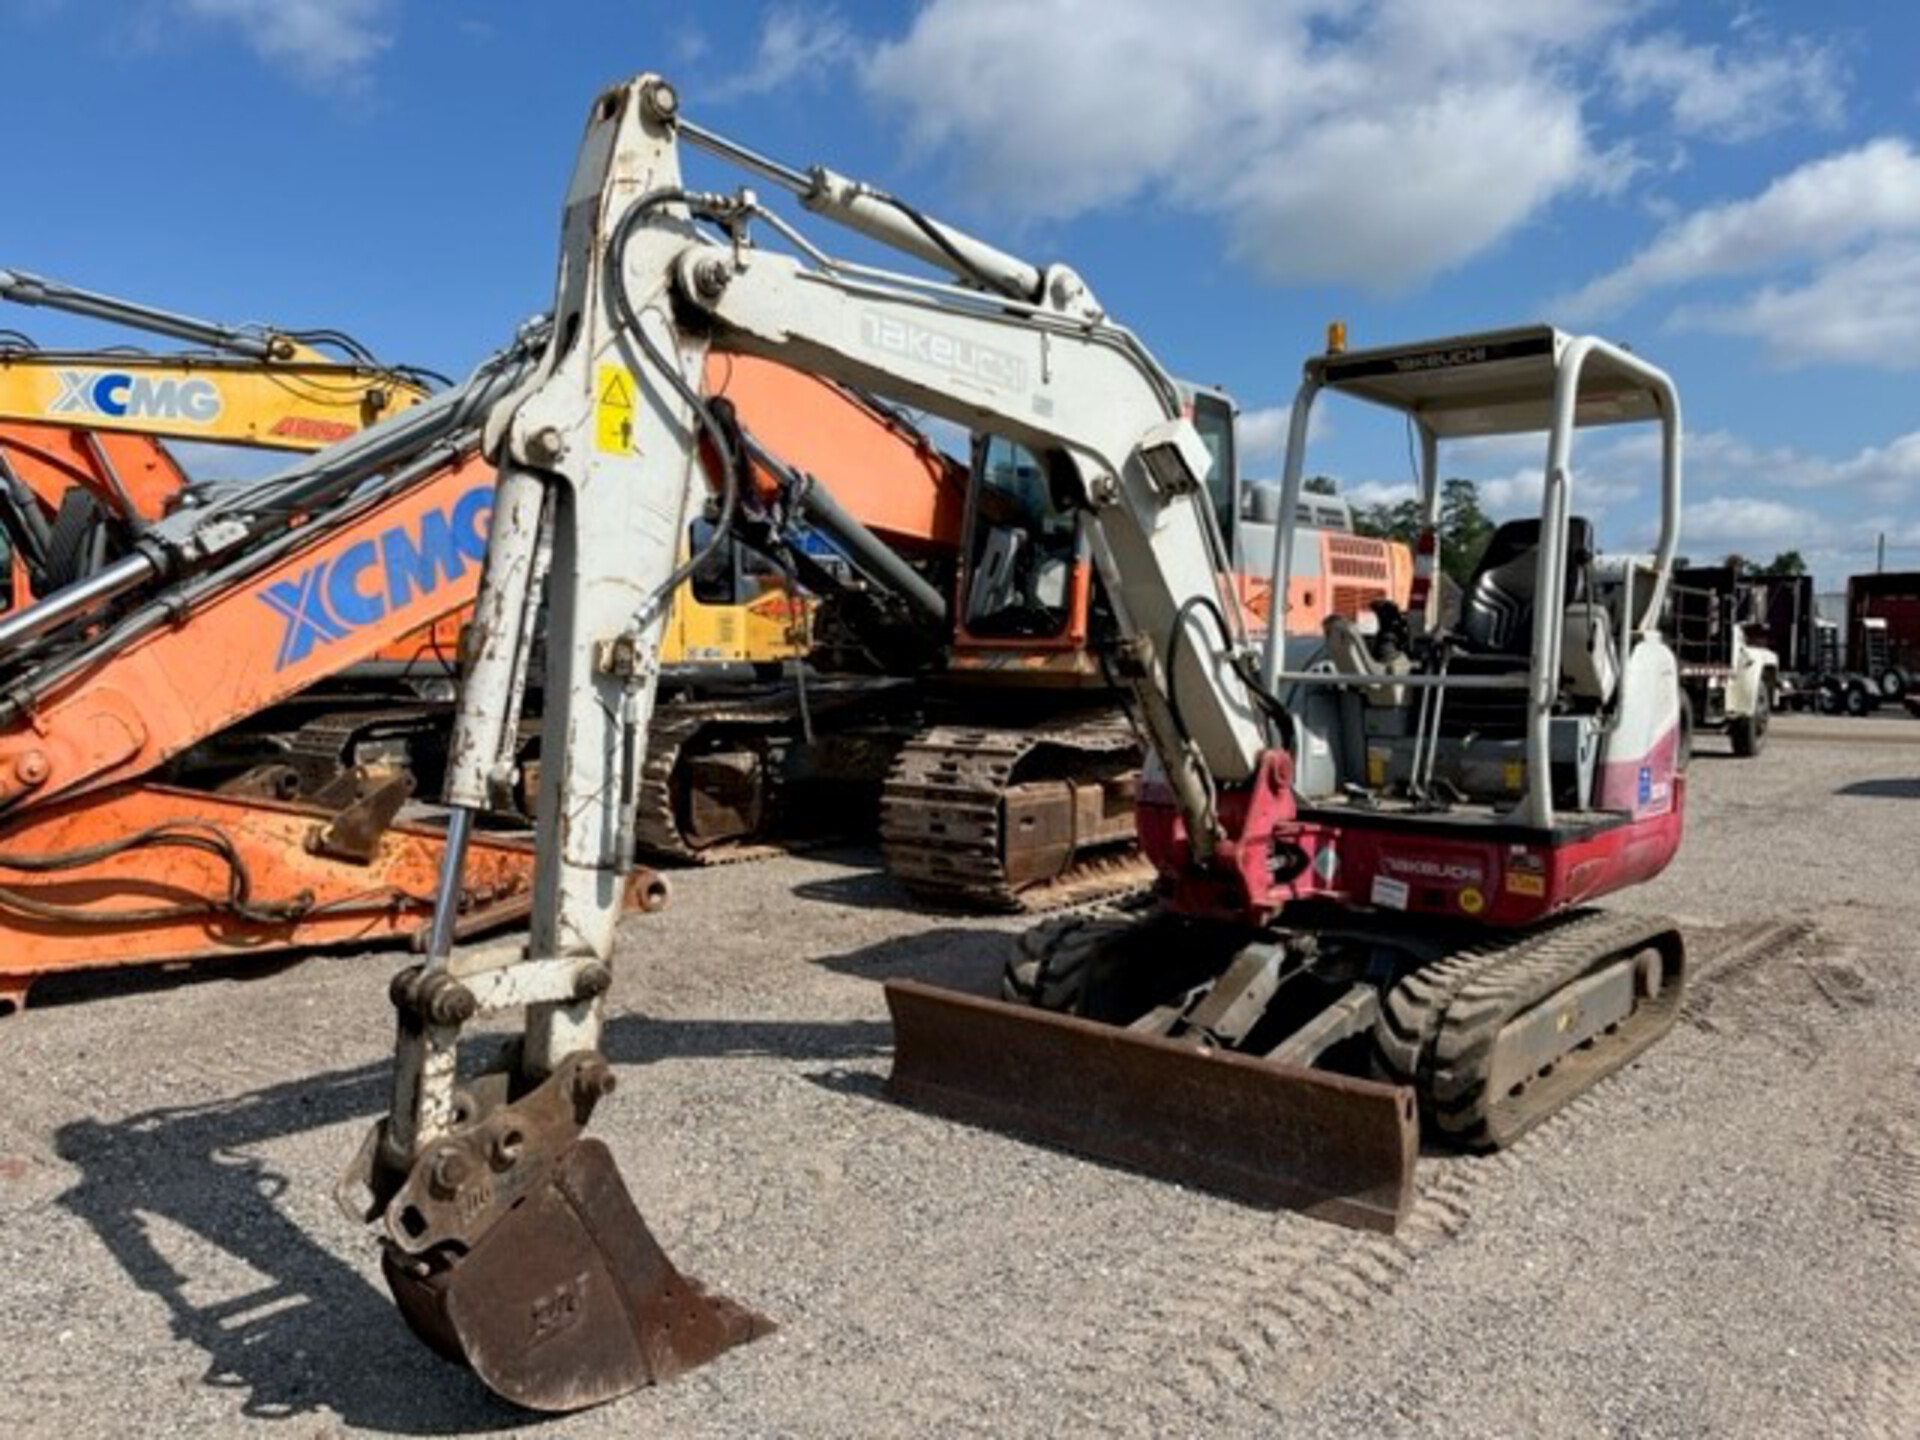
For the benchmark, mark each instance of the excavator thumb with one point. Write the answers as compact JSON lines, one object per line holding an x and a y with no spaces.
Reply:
{"x":1334,"y":1147}
{"x":569,"y":1301}
{"x":513,"y":1247}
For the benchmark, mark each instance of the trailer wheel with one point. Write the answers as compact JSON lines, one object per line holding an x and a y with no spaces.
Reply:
{"x":1749,"y":732}
{"x":1859,"y":699}
{"x":1831,"y":700}
{"x":1894,"y":683}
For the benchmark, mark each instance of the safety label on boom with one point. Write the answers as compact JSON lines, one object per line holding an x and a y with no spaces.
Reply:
{"x":613,"y":409}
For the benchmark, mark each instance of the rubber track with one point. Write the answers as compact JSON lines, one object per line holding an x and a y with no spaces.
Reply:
{"x":940,"y":817}
{"x":1504,"y":982}
{"x":1051,"y":964}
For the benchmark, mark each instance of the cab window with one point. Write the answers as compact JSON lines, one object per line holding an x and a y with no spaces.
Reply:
{"x":1023,"y":548}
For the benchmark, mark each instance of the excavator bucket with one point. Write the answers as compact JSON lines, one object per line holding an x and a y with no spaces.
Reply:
{"x":568,"y":1300}
{"x":1328,"y":1145}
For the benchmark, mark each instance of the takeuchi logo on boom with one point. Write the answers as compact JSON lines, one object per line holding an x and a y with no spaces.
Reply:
{"x":370,"y":579}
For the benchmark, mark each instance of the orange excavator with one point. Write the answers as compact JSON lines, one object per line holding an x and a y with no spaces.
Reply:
{"x":1008,"y":773}
{"x":119,"y":676}
{"x":80,"y":433}
{"x":205,"y":753}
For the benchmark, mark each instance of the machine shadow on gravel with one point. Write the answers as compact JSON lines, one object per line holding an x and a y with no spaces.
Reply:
{"x":864,"y":886}
{"x":1892,"y":787}
{"x":79,"y":986}
{"x":306,"y":1332}
{"x":314,"y":1334}
{"x":952,"y":958}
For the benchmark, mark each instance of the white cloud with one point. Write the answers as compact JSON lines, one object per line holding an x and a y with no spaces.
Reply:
{"x":1394,"y":197}
{"x":797,"y":42}
{"x":1744,"y":523}
{"x":1825,"y":209}
{"x":1364,"y":494}
{"x":1768,"y":85}
{"x":1880,"y":474}
{"x":1863,"y":310}
{"x":1263,"y":435}
{"x":1883,"y":472}
{"x":319,"y":41}
{"x":1600,"y":485}
{"x":1377,"y":144}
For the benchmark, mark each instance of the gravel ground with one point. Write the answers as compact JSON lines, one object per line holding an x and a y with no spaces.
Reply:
{"x":1725,"y":1240}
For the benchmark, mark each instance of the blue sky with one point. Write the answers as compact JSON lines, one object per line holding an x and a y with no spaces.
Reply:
{"x":1734,"y":189}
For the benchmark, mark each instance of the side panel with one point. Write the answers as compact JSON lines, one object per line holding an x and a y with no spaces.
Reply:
{"x":1637,"y":762}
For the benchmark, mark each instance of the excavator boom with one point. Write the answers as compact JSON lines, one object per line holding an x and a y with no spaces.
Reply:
{"x":299,"y":404}
{"x":222,"y":615}
{"x":248,"y":385}
{"x":474,"y":1181}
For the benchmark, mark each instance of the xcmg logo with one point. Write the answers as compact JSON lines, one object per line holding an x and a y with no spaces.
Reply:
{"x":370,"y":579}
{"x":121,"y":395}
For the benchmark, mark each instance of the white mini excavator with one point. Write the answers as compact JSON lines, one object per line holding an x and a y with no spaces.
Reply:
{"x":1373,"y":869}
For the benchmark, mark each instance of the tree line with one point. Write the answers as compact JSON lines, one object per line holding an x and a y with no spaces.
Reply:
{"x":1465,"y":529}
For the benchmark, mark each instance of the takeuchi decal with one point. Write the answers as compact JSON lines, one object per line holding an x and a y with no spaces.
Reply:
{"x":1434,"y":870}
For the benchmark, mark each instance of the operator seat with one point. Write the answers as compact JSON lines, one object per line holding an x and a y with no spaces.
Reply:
{"x":996,"y":575}
{"x":1496,"y":616}
{"x":1495,"y":632}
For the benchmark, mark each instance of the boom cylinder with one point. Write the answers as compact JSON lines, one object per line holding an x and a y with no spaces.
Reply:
{"x":869,"y":554}
{"x":860,"y":207}
{"x":24,"y":289}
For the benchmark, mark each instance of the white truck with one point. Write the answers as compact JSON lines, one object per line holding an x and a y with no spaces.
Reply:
{"x":1729,"y":682}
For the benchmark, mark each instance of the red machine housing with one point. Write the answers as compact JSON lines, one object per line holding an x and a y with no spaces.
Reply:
{"x":1509,"y":876}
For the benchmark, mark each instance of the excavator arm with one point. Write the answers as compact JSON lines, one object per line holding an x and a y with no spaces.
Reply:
{"x":82,"y":466}
{"x":251,"y":385}
{"x":491,"y":1205}
{"x":217,"y":613}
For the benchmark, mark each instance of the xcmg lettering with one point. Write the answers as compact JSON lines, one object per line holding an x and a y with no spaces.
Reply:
{"x":119,"y":394}
{"x":370,"y":579}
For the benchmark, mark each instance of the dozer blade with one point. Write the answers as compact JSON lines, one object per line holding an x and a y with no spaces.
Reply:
{"x":1333,"y":1147}
{"x":568,"y":1300}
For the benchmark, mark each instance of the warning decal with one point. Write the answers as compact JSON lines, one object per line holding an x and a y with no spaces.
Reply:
{"x":613,"y":409}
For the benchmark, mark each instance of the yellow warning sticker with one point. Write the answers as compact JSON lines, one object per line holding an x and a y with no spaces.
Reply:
{"x":613,"y":396}
{"x":1514,"y":774}
{"x":1472,"y":901}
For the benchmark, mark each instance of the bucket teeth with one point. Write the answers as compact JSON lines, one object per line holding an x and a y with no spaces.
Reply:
{"x":568,"y":1300}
